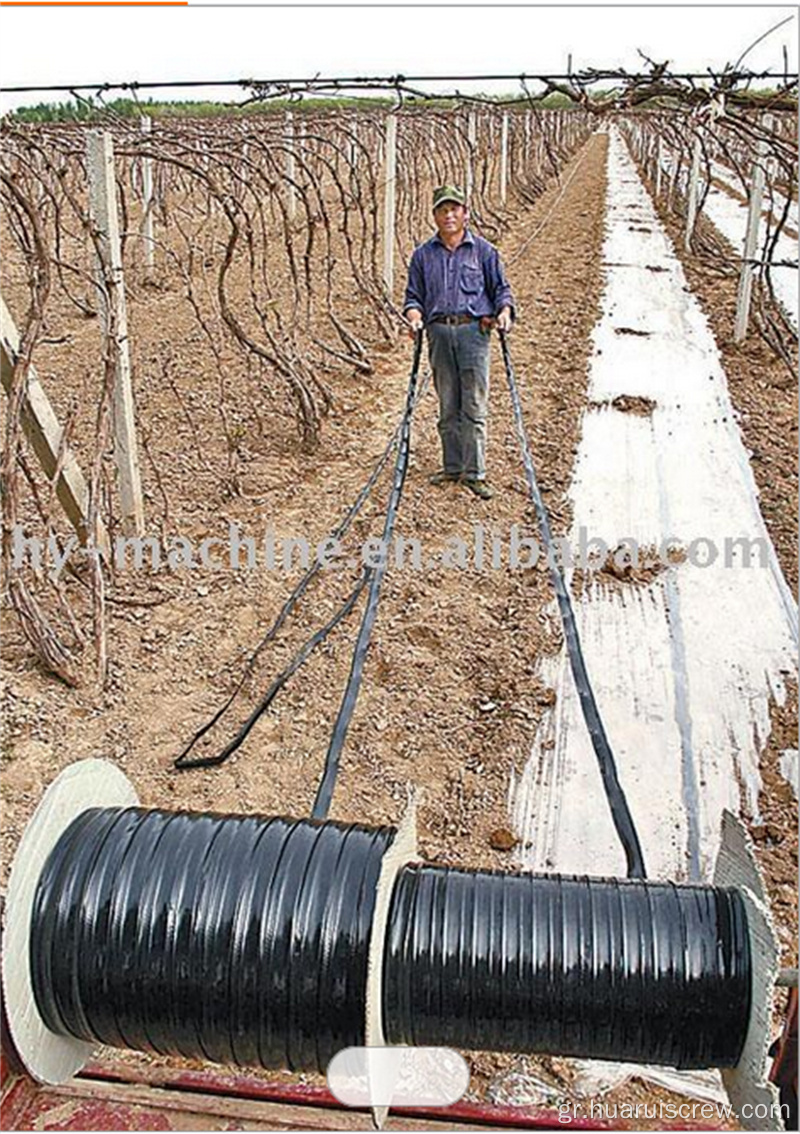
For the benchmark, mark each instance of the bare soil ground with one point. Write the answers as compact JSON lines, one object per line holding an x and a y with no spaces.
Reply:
{"x":449,"y":701}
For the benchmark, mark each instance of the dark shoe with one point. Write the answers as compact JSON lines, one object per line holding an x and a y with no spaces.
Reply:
{"x":479,"y":487}
{"x":443,"y":477}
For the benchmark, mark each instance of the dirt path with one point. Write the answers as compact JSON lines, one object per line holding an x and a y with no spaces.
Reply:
{"x":450,"y":684}
{"x":448,"y":700}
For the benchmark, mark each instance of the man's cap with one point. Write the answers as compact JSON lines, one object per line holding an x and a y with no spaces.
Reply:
{"x":449,"y":193}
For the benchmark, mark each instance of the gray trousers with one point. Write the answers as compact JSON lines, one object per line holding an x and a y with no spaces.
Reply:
{"x":459,"y":358}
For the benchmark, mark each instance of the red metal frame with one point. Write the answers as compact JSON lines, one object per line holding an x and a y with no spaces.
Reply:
{"x":112,"y":1096}
{"x":80,"y":1106}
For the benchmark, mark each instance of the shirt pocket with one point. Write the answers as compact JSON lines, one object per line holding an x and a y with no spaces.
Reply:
{"x":471,"y":279}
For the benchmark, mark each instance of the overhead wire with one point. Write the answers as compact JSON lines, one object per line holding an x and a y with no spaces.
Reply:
{"x":280,"y":85}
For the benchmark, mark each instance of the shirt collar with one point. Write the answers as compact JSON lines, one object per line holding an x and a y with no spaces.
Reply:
{"x":468,"y":239}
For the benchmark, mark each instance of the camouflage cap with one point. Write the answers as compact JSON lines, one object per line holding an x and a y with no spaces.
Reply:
{"x":449,"y":193}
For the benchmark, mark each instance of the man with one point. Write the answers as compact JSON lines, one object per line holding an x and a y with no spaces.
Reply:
{"x":457,"y":290}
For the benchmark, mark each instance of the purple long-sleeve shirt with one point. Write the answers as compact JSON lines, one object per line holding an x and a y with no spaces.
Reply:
{"x":469,"y":280}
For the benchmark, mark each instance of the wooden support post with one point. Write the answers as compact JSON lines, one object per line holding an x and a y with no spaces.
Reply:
{"x":692,"y":194}
{"x":40,"y":426}
{"x":301,"y":146}
{"x":244,"y":170}
{"x":472,"y":135}
{"x":291,"y":199}
{"x":504,"y":158}
{"x":353,"y":143}
{"x":747,"y":270}
{"x":527,"y":139}
{"x":390,"y":188}
{"x":512,"y":122}
{"x":147,"y":199}
{"x":113,"y":312}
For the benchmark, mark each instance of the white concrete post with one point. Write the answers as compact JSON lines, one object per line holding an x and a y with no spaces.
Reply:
{"x":692,"y":194}
{"x":771,"y":164}
{"x":659,"y":160}
{"x":353,"y":147}
{"x":291,"y":199}
{"x":504,"y":158}
{"x":747,"y":271}
{"x":389,"y":201}
{"x":244,"y":171}
{"x":147,"y":199}
{"x":675,"y":172}
{"x":111,"y":290}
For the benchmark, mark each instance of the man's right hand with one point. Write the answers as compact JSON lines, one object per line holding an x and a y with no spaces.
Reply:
{"x":414,"y":320}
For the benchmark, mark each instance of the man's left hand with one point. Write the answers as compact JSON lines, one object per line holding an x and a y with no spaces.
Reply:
{"x":504,"y":320}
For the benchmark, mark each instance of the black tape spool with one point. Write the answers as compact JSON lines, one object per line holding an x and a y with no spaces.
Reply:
{"x":244,"y":940}
{"x":622,"y":970}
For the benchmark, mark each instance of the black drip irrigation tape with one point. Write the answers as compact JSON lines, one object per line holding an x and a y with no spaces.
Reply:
{"x":245,"y":940}
{"x":373,"y":578}
{"x":624,"y":970}
{"x":322,"y":802}
{"x":184,"y":760}
{"x":300,"y":657}
{"x":620,"y":812}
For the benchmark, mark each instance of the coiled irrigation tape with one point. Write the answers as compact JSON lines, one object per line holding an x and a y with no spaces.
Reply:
{"x":623,"y":970}
{"x":262,"y":942}
{"x":618,"y":804}
{"x":242,"y":940}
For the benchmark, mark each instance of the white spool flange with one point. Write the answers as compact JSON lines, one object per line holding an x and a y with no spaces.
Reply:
{"x":752,"y":1096}
{"x":402,"y":852}
{"x":49,"y":1058}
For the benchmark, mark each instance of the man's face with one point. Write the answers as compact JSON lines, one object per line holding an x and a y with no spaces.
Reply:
{"x":450,"y":218}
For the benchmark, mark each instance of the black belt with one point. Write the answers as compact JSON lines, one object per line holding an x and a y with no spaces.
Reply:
{"x":453,"y":320}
